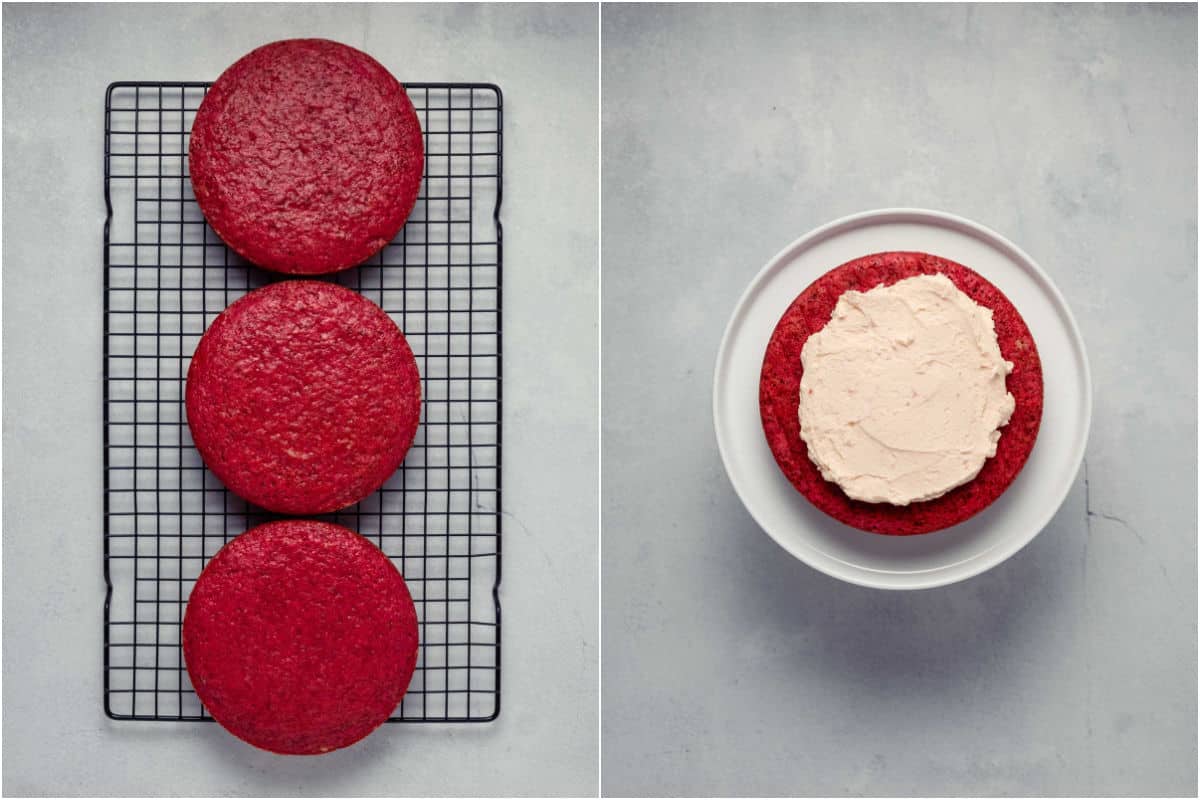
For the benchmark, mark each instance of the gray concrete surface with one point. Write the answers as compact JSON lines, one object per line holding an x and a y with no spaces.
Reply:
{"x":57,"y":62}
{"x":729,"y":668}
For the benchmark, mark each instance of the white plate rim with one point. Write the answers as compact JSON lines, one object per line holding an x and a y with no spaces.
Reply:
{"x":996,"y":554}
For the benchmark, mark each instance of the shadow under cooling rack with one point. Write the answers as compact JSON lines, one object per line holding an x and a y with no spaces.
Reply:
{"x":167,"y":276}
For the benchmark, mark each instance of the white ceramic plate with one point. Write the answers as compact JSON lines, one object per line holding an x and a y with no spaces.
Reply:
{"x":932,"y":559}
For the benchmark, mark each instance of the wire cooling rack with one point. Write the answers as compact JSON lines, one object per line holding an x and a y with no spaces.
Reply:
{"x":167,"y":276}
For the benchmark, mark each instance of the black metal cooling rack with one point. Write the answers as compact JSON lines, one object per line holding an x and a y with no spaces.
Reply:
{"x":167,"y":276}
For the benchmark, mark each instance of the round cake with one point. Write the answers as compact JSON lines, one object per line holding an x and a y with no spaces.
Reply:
{"x":303,"y":397}
{"x":782,"y":371}
{"x":300,"y":637}
{"x":306,"y":156}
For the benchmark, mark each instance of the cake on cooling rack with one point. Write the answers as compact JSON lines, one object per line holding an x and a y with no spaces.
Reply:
{"x":303,"y":397}
{"x":300,"y":637}
{"x":901,"y":393}
{"x":306,"y":156}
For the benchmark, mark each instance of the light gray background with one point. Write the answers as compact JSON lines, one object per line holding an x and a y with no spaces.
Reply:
{"x":730,"y":668}
{"x":57,"y":62}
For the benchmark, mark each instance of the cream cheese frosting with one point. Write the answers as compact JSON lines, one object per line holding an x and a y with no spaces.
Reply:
{"x":903,"y":391}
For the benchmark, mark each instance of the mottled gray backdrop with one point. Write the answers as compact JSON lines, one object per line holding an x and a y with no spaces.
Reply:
{"x":57,"y":61}
{"x":730,"y":668}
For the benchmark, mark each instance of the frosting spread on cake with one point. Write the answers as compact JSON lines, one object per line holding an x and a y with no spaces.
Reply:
{"x":903,"y":391}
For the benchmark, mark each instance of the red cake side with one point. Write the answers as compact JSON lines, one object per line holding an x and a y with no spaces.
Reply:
{"x":303,"y":397}
{"x":779,"y":396}
{"x":306,"y":156}
{"x":300,"y":637}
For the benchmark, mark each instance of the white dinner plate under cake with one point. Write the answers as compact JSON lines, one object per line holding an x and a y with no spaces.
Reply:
{"x":926,"y":560}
